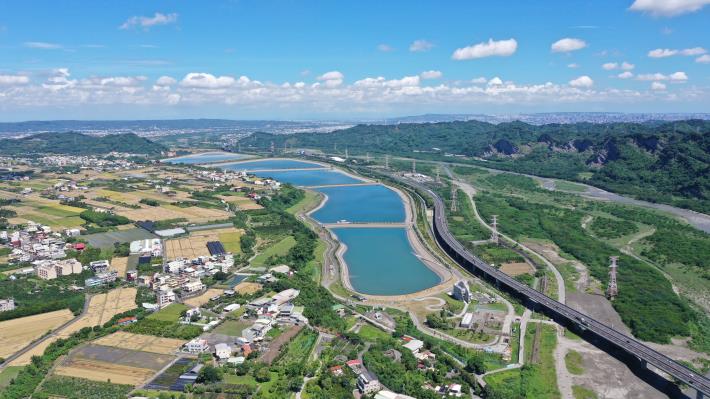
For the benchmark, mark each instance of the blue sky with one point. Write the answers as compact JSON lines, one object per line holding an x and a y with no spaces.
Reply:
{"x":333,"y":59}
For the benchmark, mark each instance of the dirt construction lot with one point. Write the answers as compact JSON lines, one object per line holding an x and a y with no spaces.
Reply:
{"x":15,"y":334}
{"x":145,"y":343}
{"x":101,"y":309}
{"x":516,"y":268}
{"x":204,"y":298}
{"x":246,"y":288}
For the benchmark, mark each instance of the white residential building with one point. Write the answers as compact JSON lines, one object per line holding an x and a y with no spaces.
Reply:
{"x":222,"y":351}
{"x":285,"y":296}
{"x":7,"y":305}
{"x":165,"y":297}
{"x":197,"y":345}
{"x":414,"y":345}
{"x":368,"y":383}
{"x":467,"y":320}
{"x":193,"y":286}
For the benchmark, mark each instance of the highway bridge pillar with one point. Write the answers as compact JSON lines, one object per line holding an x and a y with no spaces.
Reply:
{"x":700,"y":395}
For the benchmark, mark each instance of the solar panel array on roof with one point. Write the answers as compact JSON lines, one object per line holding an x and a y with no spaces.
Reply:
{"x":216,"y":248}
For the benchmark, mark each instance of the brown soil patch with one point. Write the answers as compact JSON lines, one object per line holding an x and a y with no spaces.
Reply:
{"x":516,"y":268}
{"x":275,"y":346}
{"x":144,"y":343}
{"x":15,"y":334}
{"x":200,"y":300}
{"x":103,"y":371}
{"x":247,"y":288}
{"x":195,"y":245}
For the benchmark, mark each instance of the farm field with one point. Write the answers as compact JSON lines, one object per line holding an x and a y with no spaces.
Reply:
{"x":57,"y":387}
{"x":169,"y":313}
{"x":196,"y":243}
{"x":15,"y":334}
{"x":106,"y":240}
{"x":193,"y":214}
{"x":204,"y":298}
{"x":232,"y":327}
{"x":101,"y":309}
{"x":241,"y":202}
{"x":246,"y":288}
{"x":278,"y":249}
{"x":143,"y":343}
{"x":47,"y":212}
{"x":516,"y":268}
{"x":8,"y":374}
{"x":120,"y":264}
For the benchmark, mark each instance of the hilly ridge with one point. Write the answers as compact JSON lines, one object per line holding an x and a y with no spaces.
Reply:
{"x":71,"y":143}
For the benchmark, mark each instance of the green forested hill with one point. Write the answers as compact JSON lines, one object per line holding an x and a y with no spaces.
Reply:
{"x":78,"y":144}
{"x":659,"y":162}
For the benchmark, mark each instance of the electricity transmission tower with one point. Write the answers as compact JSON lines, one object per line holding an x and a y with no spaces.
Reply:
{"x":612,"y":290}
{"x":494,"y":230}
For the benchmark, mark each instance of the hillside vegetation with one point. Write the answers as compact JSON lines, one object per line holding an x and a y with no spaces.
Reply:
{"x":659,"y":162}
{"x":78,"y":144}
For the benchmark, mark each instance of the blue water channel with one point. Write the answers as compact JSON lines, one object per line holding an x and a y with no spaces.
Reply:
{"x":270,"y":164}
{"x":360,"y":204}
{"x":381,"y":261}
{"x":205,"y":157}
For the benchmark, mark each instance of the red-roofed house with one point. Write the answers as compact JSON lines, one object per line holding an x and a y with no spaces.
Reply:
{"x":336,"y":370}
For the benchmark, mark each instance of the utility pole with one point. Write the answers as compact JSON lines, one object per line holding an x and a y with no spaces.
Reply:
{"x":387,"y":161}
{"x":414,"y":166}
{"x":454,"y":200}
{"x":272,"y":147}
{"x":494,"y":230}
{"x":612,"y":289}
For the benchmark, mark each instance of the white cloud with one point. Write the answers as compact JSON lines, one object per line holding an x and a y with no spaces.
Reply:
{"x":385,"y":48}
{"x":658,"y":86}
{"x":674,"y":77}
{"x":59,"y":80}
{"x":148,"y":22}
{"x":624,"y":66}
{"x":200,"y":80}
{"x":13,"y":80}
{"x":693,"y":51}
{"x":703,"y":59}
{"x":165,"y":81}
{"x":668,"y":8}
{"x":582,"y":81}
{"x":666,"y":52}
{"x":573,"y":65}
{"x":496,"y":81}
{"x":501,"y":48}
{"x":43,"y":45}
{"x":420,"y":46}
{"x":122,"y":81}
{"x":568,"y":44}
{"x":430,"y":74}
{"x":331,"y":79}
{"x":479,"y":80}
{"x":625,"y":75}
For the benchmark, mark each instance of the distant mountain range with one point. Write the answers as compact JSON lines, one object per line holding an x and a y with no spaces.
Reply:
{"x":78,"y":144}
{"x":178,"y":126}
{"x":661,"y":161}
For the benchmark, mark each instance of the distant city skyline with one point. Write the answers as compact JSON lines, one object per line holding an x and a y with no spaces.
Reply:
{"x":332,"y":60}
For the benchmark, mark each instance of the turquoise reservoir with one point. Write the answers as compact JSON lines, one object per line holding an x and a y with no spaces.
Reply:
{"x":270,"y":164}
{"x":381,"y":262}
{"x":205,"y":157}
{"x":361,"y":204}
{"x":317,"y":177}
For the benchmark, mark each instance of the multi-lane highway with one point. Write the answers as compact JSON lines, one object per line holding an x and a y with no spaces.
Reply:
{"x":553,"y":308}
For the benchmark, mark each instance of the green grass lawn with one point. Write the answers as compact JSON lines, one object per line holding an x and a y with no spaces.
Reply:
{"x":310,"y":201}
{"x":8,"y":374}
{"x":315,"y":267}
{"x":240,"y":379}
{"x":169,"y":313}
{"x":231,"y":242}
{"x":372,"y":334}
{"x":278,"y":249}
{"x":568,"y":186}
{"x":232,"y":327}
{"x":573,"y":361}
{"x":581,"y":392}
{"x":454,"y":305}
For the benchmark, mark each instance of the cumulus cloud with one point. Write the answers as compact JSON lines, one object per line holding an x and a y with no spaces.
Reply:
{"x":668,"y":8}
{"x":624,"y":66}
{"x":201,"y":80}
{"x":420,"y":46}
{"x":205,"y":91}
{"x":625,"y":75}
{"x":430,"y":74}
{"x":479,"y":80}
{"x":149,"y":22}
{"x":13,"y":80}
{"x":703,"y":59}
{"x":674,"y":77}
{"x":568,"y":44}
{"x":165,"y":81}
{"x":658,"y":86}
{"x":501,"y":48}
{"x":582,"y":81}
{"x":43,"y":45}
{"x":385,"y":48}
{"x":666,"y":52}
{"x":331,"y":79}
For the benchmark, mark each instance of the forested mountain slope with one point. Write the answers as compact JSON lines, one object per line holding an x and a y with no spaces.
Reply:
{"x":659,"y":162}
{"x":78,"y":144}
